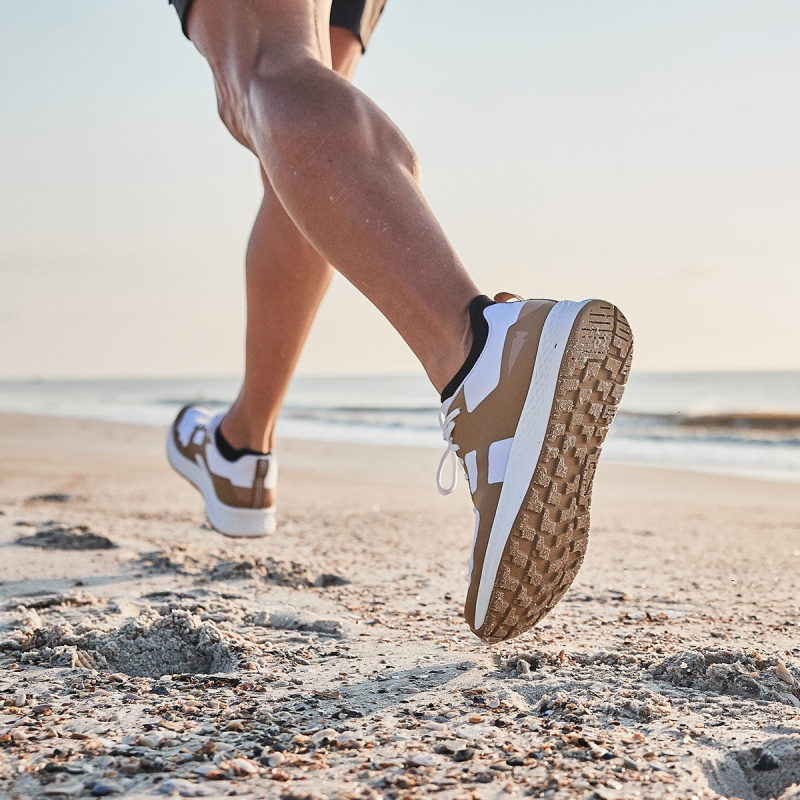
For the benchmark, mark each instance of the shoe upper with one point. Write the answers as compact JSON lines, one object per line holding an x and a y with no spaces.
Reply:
{"x":247,"y":482}
{"x":480,"y":419}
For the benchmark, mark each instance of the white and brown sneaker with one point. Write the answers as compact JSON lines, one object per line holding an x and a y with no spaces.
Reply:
{"x":239,"y":495}
{"x":527,"y":424}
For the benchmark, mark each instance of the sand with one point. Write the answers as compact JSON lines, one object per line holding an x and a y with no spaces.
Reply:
{"x":143,"y":655}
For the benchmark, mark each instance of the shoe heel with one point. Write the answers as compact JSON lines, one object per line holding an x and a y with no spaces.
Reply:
{"x":244,"y":523}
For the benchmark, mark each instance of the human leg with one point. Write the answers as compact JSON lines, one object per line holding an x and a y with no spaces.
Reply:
{"x":528,"y":419}
{"x":342,"y":171}
{"x":286,"y":280}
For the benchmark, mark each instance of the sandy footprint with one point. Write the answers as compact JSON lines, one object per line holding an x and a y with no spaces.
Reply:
{"x":769,"y":770}
{"x":57,"y":536}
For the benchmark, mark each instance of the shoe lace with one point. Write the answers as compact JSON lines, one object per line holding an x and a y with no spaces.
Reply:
{"x":447,"y":421}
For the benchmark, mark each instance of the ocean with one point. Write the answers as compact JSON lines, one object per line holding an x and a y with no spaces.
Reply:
{"x":739,"y":423}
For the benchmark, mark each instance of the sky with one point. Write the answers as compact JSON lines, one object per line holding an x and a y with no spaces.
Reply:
{"x":642,"y":152}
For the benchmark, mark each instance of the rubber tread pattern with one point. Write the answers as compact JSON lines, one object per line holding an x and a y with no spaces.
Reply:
{"x":548,"y":543}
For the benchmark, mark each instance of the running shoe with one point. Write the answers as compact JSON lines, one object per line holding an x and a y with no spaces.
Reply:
{"x":527,"y":424}
{"x":239,"y":495}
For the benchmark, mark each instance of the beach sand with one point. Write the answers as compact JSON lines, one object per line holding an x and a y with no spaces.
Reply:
{"x":331,"y":661}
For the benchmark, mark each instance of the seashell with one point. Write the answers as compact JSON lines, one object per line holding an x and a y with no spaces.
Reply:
{"x":84,"y":660}
{"x":783,"y":673}
{"x":324,"y":736}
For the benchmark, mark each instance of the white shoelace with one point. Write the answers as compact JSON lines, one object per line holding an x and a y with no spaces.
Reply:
{"x":447,"y":421}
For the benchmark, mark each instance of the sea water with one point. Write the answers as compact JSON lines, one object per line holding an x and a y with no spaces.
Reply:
{"x":743,"y":423}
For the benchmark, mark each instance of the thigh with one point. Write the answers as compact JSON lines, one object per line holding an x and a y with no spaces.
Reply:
{"x":242,"y":38}
{"x":358,"y":16}
{"x":243,"y":30}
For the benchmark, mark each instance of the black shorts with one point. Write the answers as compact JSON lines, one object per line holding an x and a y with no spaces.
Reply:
{"x":358,"y":16}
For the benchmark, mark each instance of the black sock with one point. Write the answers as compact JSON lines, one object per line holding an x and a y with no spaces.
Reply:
{"x":480,"y":332}
{"x":228,"y":451}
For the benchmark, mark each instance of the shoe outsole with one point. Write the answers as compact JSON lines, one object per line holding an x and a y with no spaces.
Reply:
{"x":547,"y":543}
{"x":237,"y":523}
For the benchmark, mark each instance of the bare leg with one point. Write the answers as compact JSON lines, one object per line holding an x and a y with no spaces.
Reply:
{"x":343,"y":172}
{"x":286,"y":281}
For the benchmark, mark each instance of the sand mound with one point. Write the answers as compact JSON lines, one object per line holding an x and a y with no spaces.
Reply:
{"x":222,"y":566}
{"x":281,"y":573}
{"x":731,"y":672}
{"x":51,"y":497}
{"x":54,"y":600}
{"x":287,"y":621}
{"x":149,"y":646}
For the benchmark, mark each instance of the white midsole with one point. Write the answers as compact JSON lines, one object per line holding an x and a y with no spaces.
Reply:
{"x":244,"y":522}
{"x":528,"y":441}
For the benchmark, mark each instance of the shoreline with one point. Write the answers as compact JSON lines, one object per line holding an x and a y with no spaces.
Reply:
{"x":330,"y":660}
{"x":329,"y":438}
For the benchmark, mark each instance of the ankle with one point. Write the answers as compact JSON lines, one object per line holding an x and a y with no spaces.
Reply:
{"x":244,"y":436}
{"x":442,"y":368}
{"x":464,"y":354}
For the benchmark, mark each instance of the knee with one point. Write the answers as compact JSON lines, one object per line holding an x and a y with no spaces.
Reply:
{"x":232,"y":105}
{"x":231,"y":111}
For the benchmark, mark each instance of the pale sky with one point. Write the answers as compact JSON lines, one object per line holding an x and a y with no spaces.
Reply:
{"x":640,"y":151}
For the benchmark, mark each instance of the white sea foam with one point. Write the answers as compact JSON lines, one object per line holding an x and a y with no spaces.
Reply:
{"x":657,"y":423}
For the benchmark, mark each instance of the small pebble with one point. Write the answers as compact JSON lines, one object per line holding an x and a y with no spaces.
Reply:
{"x":64,"y":789}
{"x":464,"y":755}
{"x":181,"y":787}
{"x":348,"y":739}
{"x":210,"y":771}
{"x":424,"y":760}
{"x":604,"y":794}
{"x":243,"y":766}
{"x":101,"y":789}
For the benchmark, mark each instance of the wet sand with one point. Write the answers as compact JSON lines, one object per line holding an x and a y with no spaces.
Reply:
{"x":143,"y":655}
